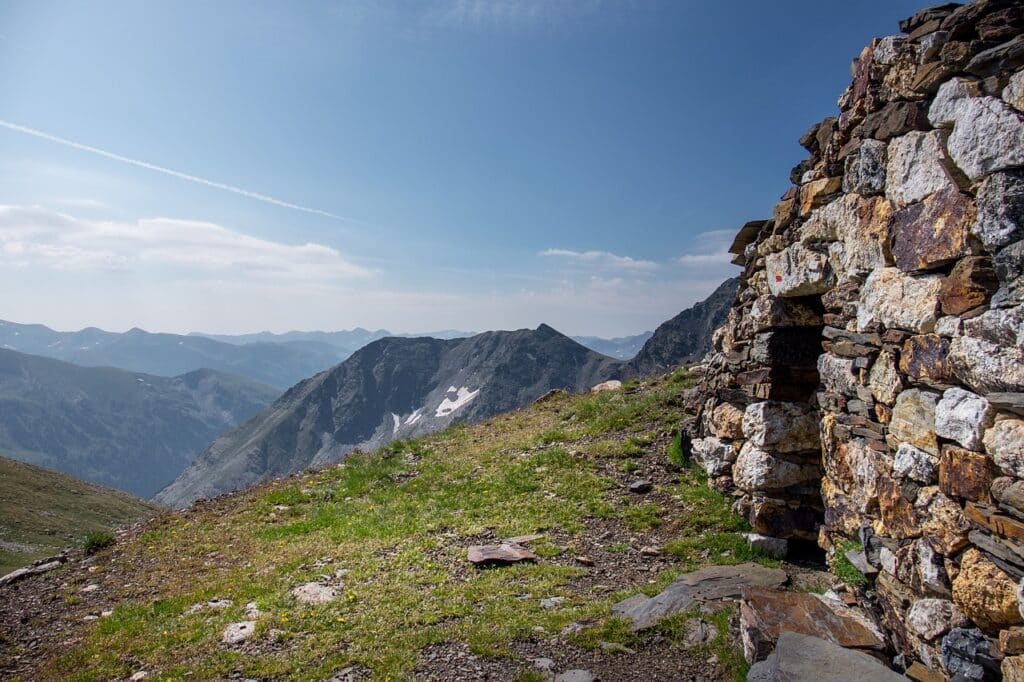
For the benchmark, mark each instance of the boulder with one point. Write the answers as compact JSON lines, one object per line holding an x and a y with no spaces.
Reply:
{"x":915,"y":464}
{"x":766,"y":613}
{"x":803,"y":657}
{"x":970,"y":284}
{"x":1004,"y":441}
{"x":915,"y":167}
{"x":963,"y":416}
{"x":706,"y":587}
{"x":985,"y":593}
{"x":931,"y":233}
{"x":756,"y":469}
{"x":781,"y":427}
{"x":896,"y":300}
{"x":797,"y":271}
{"x":931,"y":618}
{"x":1000,"y":210}
{"x":913,"y":420}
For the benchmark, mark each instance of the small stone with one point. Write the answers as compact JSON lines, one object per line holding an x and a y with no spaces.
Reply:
{"x":942,"y":521}
{"x":964,"y":474}
{"x":698,"y":633}
{"x":726,"y":420}
{"x":970,"y":284}
{"x":551,"y":602}
{"x":777,"y":548}
{"x":314,"y":593}
{"x":89,"y":588}
{"x":236,"y":633}
{"x":916,"y":464}
{"x":1012,"y":669}
{"x":865,"y":169}
{"x":615,"y":648}
{"x":963,"y":416}
{"x":1011,"y":641}
{"x":913,"y":420}
{"x":611,"y":385}
{"x":966,"y":652}
{"x":923,"y":359}
{"x":542,"y":663}
{"x":1000,"y":217}
{"x":781,"y":426}
{"x":252,"y":611}
{"x":1013,"y":93}
{"x":140,"y":675}
{"x":883,"y":379}
{"x":756,"y":469}
{"x":948,"y":326}
{"x":640,"y":487}
{"x":496,"y":555}
{"x":932,"y":618}
{"x":817,"y":193}
{"x":989,"y":354}
{"x":798,"y":271}
{"x":650,"y":550}
{"x":714,"y":455}
{"x":576,"y":676}
{"x":1004,"y":441}
{"x":584,"y":560}
{"x":986,"y":594}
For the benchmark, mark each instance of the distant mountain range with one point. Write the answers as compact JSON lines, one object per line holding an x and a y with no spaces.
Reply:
{"x":131,"y":431}
{"x":398,"y":388}
{"x":280,"y":360}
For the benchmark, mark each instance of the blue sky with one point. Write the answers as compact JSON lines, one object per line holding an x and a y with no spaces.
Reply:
{"x":484,"y":163}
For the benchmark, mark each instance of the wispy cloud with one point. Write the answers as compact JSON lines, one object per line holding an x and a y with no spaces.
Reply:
{"x":709,"y":248}
{"x":31,"y":236}
{"x":503,"y":14}
{"x":602,"y":258}
{"x":167,"y":171}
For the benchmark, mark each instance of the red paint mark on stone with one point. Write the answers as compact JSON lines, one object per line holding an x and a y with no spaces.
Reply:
{"x":778,"y":278}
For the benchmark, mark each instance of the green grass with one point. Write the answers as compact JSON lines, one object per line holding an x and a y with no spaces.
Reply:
{"x":97,"y":540}
{"x":397,"y":523}
{"x":845,"y":570}
{"x":675,"y":451}
{"x":43,"y":512}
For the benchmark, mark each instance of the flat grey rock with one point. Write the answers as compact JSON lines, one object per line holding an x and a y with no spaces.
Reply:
{"x":801,"y":658}
{"x":710,"y":584}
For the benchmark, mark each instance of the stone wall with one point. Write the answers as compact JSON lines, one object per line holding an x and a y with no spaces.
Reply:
{"x":867,"y":390}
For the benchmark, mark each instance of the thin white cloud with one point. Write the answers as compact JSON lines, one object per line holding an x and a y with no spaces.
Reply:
{"x":709,"y":248}
{"x":33,"y":236}
{"x":602,"y":259}
{"x":504,"y":14}
{"x":77,"y":202}
{"x":167,"y":171}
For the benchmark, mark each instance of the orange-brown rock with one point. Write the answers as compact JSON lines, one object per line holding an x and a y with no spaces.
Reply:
{"x":985,"y":593}
{"x":931,"y":233}
{"x":965,"y":474}
{"x":1011,"y":642}
{"x":943,"y":522}
{"x":999,"y":524}
{"x":924,"y":359}
{"x":727,"y":421}
{"x":817,"y":193}
{"x":899,"y":519}
{"x":969,"y":285}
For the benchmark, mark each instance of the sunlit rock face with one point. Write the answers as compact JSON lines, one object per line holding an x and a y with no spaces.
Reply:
{"x":876,"y":344}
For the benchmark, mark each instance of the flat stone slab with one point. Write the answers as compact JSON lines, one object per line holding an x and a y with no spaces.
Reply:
{"x":314,"y":593}
{"x":800,"y":658}
{"x":766,"y":613}
{"x":497,"y":555}
{"x":711,"y":584}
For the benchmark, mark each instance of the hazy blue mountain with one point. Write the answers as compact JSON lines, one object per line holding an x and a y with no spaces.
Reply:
{"x":620,"y":348}
{"x":127,"y":430}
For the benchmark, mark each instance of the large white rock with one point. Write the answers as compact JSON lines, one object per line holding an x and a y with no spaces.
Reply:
{"x":857,"y":228}
{"x":1004,"y":441}
{"x":899,"y":301}
{"x":837,"y":374}
{"x":988,"y":356}
{"x":916,"y":464}
{"x":756,"y":469}
{"x":714,"y":455}
{"x":797,"y":271}
{"x":963,"y":416}
{"x":988,"y":133}
{"x":914,"y":168}
{"x":781,"y":427}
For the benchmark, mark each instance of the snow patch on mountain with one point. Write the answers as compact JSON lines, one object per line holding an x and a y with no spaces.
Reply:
{"x":463,"y":396}
{"x":398,"y":423}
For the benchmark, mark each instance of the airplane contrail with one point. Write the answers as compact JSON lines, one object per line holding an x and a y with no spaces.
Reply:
{"x":167,"y":171}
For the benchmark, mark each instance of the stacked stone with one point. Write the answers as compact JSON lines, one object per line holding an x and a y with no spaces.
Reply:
{"x":867,"y":389}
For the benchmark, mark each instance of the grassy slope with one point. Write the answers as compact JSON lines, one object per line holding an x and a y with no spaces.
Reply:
{"x":42,"y":512}
{"x":398,"y":523}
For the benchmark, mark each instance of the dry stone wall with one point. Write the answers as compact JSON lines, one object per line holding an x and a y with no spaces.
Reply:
{"x":866,"y":392}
